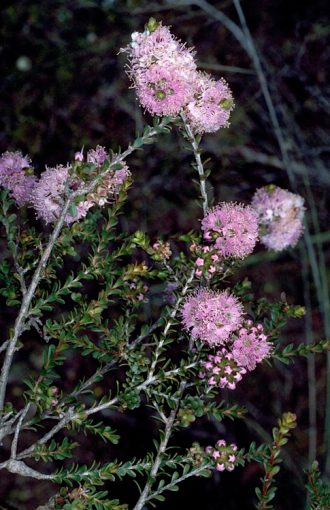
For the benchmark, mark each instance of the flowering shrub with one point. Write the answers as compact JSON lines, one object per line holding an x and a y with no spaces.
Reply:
{"x":207,"y":334}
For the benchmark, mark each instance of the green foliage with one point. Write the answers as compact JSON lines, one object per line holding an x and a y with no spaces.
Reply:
{"x":272,"y":460}
{"x":318,"y":489}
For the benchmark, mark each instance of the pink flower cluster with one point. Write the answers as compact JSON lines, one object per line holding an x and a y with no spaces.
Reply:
{"x":208,"y":261}
{"x":13,"y":176}
{"x":222,"y":370}
{"x":224,"y":455}
{"x":212,"y":316}
{"x":280,"y":215}
{"x":216,"y":318}
{"x":47,"y":194}
{"x":167,"y":82}
{"x":245,"y":349}
{"x":250,"y":346}
{"x":233,"y":228}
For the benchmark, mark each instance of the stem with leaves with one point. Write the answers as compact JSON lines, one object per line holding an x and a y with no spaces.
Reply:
{"x":280,"y":438}
{"x":21,"y":321}
{"x":195,"y":141}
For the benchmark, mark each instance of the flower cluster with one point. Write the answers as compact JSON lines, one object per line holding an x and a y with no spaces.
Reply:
{"x":212,"y":316}
{"x":162,"y":250}
{"x":208,"y":261}
{"x":13,"y":176}
{"x":233,"y":228}
{"x":167,"y":82}
{"x":250,"y":346}
{"x":222,"y":370}
{"x":212,"y":104}
{"x":47,"y":194}
{"x":280,"y":214}
{"x":224,"y":455}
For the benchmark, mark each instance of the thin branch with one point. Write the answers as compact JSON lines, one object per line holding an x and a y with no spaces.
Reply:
{"x":161,"y":450}
{"x":199,"y":164}
{"x":13,"y":451}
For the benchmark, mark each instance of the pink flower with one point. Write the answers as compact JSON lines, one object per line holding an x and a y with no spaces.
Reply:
{"x":162,"y":70}
{"x":79,"y":156}
{"x":13,"y":176}
{"x":199,"y":262}
{"x":233,"y":228}
{"x":280,"y":214}
{"x":162,"y":91}
{"x":211,"y":316}
{"x":212,"y":104}
{"x":49,"y":195}
{"x":220,"y":467}
{"x":97,"y":156}
{"x":250,"y":346}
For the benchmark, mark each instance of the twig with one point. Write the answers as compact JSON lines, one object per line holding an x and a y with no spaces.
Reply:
{"x":170,"y":323}
{"x":13,"y":451}
{"x":161,"y":450}
{"x":199,"y":165}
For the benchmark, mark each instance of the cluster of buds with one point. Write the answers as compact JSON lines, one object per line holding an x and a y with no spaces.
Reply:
{"x":162,"y":251}
{"x":222,"y":370}
{"x":223,"y":455}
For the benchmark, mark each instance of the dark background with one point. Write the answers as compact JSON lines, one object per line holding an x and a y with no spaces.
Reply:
{"x":63,"y":86}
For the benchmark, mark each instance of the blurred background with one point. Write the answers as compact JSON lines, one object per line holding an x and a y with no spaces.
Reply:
{"x":63,"y":87}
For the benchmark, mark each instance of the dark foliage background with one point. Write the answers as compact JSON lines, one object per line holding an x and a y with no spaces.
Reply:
{"x":63,"y":86}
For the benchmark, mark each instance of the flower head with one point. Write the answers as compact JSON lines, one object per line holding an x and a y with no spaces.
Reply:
{"x":163,"y":71}
{"x":250,"y":346}
{"x":212,"y":104}
{"x":163,"y":91}
{"x":49,"y":193}
{"x":13,"y":176}
{"x":233,"y":229}
{"x":212,"y":316}
{"x":97,"y":156}
{"x":281,"y":214}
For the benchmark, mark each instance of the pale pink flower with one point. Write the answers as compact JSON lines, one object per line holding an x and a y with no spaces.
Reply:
{"x":212,"y":104}
{"x":212,"y":316}
{"x":199,"y":262}
{"x":162,"y":70}
{"x":162,"y":91}
{"x":280,"y":215}
{"x":233,"y":229}
{"x":97,"y":156}
{"x":49,"y":194}
{"x":250,"y":346}
{"x":13,"y":176}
